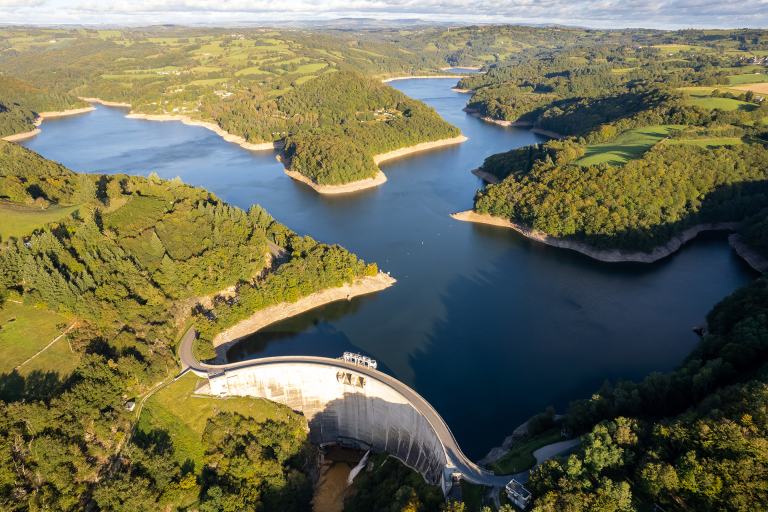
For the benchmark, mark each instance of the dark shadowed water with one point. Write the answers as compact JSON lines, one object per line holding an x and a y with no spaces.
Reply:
{"x":488,"y":326}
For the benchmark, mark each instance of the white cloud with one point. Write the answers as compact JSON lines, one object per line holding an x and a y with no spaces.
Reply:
{"x":16,"y":4}
{"x":596,"y":13}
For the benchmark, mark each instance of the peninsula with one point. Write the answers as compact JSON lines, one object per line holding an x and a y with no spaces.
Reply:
{"x":376,"y":180}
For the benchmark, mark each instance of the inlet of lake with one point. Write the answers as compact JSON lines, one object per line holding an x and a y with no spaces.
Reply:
{"x":485,"y":324}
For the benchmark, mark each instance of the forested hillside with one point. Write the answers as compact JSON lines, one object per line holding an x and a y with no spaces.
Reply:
{"x":348,"y":118}
{"x":20,"y":102}
{"x":639,"y":205}
{"x":127,"y":267}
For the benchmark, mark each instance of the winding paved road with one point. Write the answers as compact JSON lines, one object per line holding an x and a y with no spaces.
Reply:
{"x":470,"y":471}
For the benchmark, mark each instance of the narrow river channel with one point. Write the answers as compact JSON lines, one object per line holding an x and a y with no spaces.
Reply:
{"x":488,"y":326}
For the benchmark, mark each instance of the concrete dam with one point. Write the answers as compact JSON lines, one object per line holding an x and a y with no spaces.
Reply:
{"x":349,"y":405}
{"x":343,"y":407}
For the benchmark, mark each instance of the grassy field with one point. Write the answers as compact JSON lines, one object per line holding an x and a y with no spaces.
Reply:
{"x":209,"y":81}
{"x":305,"y":78}
{"x":184,"y":416}
{"x":520,"y":457}
{"x":24,"y":331}
{"x":710,"y":144}
{"x":630,"y":144}
{"x":747,"y":79}
{"x":20,"y":220}
{"x":723,"y":103}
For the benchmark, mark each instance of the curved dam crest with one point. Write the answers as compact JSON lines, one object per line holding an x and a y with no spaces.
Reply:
{"x":348,"y":405}
{"x":343,"y":407}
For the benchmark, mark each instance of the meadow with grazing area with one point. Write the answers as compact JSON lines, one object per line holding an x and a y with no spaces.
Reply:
{"x":20,"y":220}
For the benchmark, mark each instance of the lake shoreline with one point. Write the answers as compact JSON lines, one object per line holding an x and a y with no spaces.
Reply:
{"x":606,"y":255}
{"x":486,"y":176}
{"x":240,"y":141}
{"x":487,"y":119}
{"x":105,"y":103}
{"x":46,"y":115}
{"x":752,"y":257}
{"x":433,"y":76}
{"x":262,"y":318}
{"x":355,"y":186}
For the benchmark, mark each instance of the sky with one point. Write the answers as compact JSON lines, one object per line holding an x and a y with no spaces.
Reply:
{"x":660,"y":14}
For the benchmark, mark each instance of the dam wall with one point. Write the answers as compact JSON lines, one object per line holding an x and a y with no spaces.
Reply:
{"x":344,"y":407}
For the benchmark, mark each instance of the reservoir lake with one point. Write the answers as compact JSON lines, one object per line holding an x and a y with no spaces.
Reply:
{"x":488,"y":326}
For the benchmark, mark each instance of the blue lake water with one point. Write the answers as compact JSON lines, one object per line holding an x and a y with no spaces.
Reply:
{"x":488,"y":326}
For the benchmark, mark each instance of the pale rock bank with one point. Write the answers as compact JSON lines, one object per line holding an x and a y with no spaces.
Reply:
{"x":755,"y":260}
{"x":46,"y":115}
{"x":361,"y":286}
{"x":210,"y":126}
{"x":608,"y":255}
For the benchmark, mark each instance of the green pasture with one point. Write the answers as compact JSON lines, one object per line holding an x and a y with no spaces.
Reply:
{"x":129,"y":77}
{"x":208,"y":81}
{"x":747,"y":79}
{"x":153,"y":70}
{"x":305,"y":78}
{"x":712,"y":143}
{"x":722,"y":103}
{"x":175,"y":410}
{"x":628,"y":145}
{"x":19,"y":220}
{"x":109,"y":33}
{"x":275,"y":47}
{"x":699,"y":92}
{"x":252,"y":70}
{"x":311,"y":68}
{"x":24,"y":331}
{"x":206,"y":69}
{"x":672,"y":49}
{"x":368,"y":53}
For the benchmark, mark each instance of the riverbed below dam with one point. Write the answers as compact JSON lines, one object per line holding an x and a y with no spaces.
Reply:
{"x":486,"y":325}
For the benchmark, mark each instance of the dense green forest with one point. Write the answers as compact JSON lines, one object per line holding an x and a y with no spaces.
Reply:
{"x":20,"y":102}
{"x":637,"y":206}
{"x":348,"y":118}
{"x":128,"y":265}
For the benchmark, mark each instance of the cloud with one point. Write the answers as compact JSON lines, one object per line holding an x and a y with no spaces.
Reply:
{"x":596,"y":13}
{"x":17,"y":4}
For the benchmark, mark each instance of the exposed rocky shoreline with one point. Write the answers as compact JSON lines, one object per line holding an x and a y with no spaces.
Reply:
{"x":547,"y":133}
{"x":417,"y":147}
{"x":433,"y":76}
{"x":210,"y":126}
{"x":486,"y":176}
{"x":608,"y":255}
{"x":106,"y":103}
{"x":46,"y":115}
{"x":755,"y":260}
{"x":361,"y":286}
{"x":475,"y":113}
